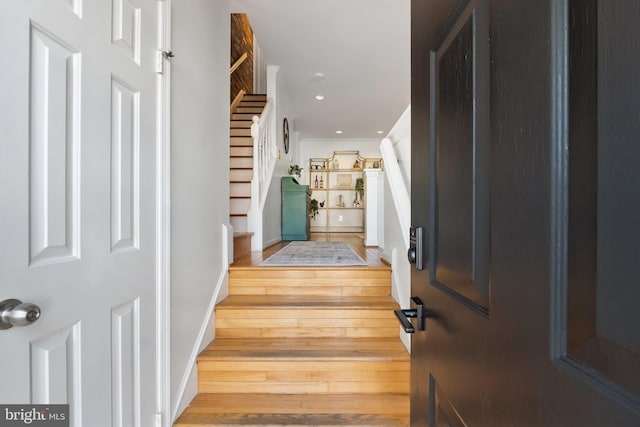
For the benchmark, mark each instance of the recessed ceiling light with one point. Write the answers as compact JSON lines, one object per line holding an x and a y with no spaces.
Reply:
{"x":318,"y":77}
{"x":319,"y":97}
{"x":339,"y":132}
{"x":380,"y":132}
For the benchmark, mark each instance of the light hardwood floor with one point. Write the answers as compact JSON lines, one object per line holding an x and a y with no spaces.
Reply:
{"x":356,"y":240}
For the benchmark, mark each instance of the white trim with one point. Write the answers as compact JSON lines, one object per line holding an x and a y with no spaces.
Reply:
{"x":163,"y":222}
{"x":272,"y":241}
{"x":223,"y":279}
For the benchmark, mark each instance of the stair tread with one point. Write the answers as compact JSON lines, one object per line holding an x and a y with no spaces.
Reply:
{"x":370,"y":349}
{"x":297,"y":302}
{"x":242,"y":234}
{"x":261,"y":409}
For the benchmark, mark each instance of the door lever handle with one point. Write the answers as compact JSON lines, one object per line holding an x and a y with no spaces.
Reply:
{"x":419,"y":313}
{"x":14,"y":312}
{"x":403,"y":317}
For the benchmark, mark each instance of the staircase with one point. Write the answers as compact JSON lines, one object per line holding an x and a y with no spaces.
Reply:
{"x":241,"y":168}
{"x":304,"y":346}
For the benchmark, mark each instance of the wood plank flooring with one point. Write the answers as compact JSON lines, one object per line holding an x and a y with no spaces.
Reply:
{"x":304,"y":346}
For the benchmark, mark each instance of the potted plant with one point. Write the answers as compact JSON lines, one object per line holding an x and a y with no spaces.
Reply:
{"x":295,"y":170}
{"x":360,"y":188}
{"x":313,"y":208}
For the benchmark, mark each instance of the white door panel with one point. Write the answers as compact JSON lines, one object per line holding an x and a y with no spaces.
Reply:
{"x":77,"y":206}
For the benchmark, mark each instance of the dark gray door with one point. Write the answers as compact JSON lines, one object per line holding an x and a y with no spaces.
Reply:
{"x":526,"y":178}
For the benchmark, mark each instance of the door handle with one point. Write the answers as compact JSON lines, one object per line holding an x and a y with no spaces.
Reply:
{"x":14,"y":312}
{"x":419,"y":313}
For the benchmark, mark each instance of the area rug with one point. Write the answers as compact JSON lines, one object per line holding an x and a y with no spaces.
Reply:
{"x":314,"y":254}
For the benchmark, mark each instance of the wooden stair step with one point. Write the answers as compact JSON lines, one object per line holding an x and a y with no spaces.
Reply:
{"x":368,"y":349}
{"x":307,"y":365}
{"x":250,"y":108}
{"x":240,"y":124}
{"x":385,"y":409}
{"x":285,"y":316}
{"x":254,"y":97}
{"x":343,"y":281}
{"x":268,"y":302}
{"x":243,"y":116}
{"x":240,"y":132}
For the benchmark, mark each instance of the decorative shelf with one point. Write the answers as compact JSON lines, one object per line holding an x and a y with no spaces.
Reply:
{"x":339,"y":168}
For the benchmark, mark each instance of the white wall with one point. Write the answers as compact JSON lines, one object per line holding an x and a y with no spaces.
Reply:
{"x":199,"y":167}
{"x":277,"y":90}
{"x":395,"y":246}
{"x":400,"y":136}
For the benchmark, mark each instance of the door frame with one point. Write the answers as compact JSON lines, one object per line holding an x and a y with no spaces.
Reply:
{"x":163,"y":217}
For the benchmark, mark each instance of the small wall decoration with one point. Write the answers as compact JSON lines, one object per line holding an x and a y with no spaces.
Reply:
{"x":285,"y":134}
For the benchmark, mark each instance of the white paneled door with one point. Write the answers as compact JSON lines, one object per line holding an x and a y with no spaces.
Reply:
{"x":77,"y":206}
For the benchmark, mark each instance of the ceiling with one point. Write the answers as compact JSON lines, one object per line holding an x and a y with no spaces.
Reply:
{"x":362,"y":49}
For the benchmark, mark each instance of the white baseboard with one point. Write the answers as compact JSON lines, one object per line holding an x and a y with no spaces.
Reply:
{"x":272,"y":242}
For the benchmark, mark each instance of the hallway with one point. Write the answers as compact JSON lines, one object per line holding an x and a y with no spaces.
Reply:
{"x":370,"y":254}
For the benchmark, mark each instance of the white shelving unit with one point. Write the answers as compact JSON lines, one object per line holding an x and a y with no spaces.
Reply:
{"x":332,"y":182}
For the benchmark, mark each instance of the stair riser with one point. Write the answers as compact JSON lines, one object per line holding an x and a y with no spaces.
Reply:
{"x":253,"y":102}
{"x":239,"y":205}
{"x":350,"y":332}
{"x":240,"y":189}
{"x":246,"y":151}
{"x":247,"y":108}
{"x":241,"y":124}
{"x":239,"y":223}
{"x":240,"y":162}
{"x":240,"y":132}
{"x":242,"y":175}
{"x":241,"y":141}
{"x":253,"y":97}
{"x":315,"y":289}
{"x":309,"y":403}
{"x":303,"y":387}
{"x":292,"y":323}
{"x":309,"y":273}
{"x":293,"y":377}
{"x":366,"y":282}
{"x":238,"y":115}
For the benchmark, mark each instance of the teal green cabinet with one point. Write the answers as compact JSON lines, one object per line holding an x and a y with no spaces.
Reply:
{"x":295,"y":209}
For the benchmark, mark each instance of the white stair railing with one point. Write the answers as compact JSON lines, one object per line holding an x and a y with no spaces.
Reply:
{"x":399,"y":192}
{"x":264,"y":161}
